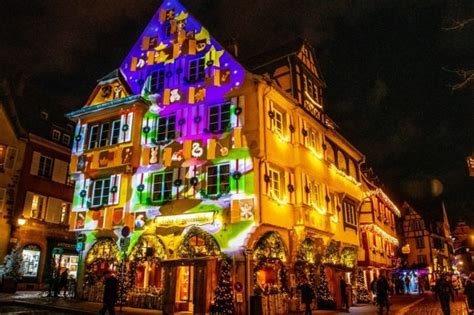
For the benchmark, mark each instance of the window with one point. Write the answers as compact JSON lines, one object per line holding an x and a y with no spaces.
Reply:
{"x":421,"y":259}
{"x":3,"y":195}
{"x":65,"y":208}
{"x":31,"y":260}
{"x":100,"y":192}
{"x":104,"y":134}
{"x":275,"y":183}
{"x":157,"y":81}
{"x":349,"y":212}
{"x":352,"y":169}
{"x":341,"y":161}
{"x":38,"y":205}
{"x":66,"y":139}
{"x":420,"y":242}
{"x":330,"y":154}
{"x":3,"y":154}
{"x":278,"y":121}
{"x":313,"y":139}
{"x":218,"y":179}
{"x":332,"y":204}
{"x":56,"y":135}
{"x":219,"y":117}
{"x":166,"y":128}
{"x":162,"y":186}
{"x":45,"y":167}
{"x":316,"y":194}
{"x":438,"y":244}
{"x":196,"y":70}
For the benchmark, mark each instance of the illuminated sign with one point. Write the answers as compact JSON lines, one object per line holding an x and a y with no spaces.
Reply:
{"x":183,"y":220}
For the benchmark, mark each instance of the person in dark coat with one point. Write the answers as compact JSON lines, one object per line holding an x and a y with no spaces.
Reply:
{"x":469,"y":292}
{"x":110,"y":293}
{"x":382,"y":294}
{"x":443,"y":291}
{"x":63,"y":281}
{"x":373,"y":289}
{"x":343,"y":287}
{"x":307,"y":296}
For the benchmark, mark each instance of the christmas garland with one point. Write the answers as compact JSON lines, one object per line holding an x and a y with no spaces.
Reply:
{"x":185,"y":250}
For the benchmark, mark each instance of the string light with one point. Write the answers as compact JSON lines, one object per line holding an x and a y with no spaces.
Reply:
{"x":381,"y":232}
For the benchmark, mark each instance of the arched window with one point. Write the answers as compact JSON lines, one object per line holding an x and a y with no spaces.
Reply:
{"x":352,"y":169}
{"x":270,"y":245}
{"x":330,"y":154}
{"x":198,"y":243}
{"x":341,"y":161}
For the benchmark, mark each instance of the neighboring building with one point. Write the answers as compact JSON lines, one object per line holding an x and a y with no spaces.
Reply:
{"x":199,"y":157}
{"x":13,"y":140}
{"x":428,"y":242}
{"x":43,"y":191}
{"x":463,"y":240}
{"x":379,"y":240}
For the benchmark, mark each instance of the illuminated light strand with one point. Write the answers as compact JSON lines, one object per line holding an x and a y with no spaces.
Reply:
{"x":381,"y":232}
{"x":316,"y":153}
{"x":283,"y":201}
{"x":319,"y":209}
{"x":312,"y":100}
{"x":343,"y":174}
{"x":379,"y":192}
{"x":282,"y":137}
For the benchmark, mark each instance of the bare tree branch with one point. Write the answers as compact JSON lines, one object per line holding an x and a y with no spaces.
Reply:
{"x":457,"y":25}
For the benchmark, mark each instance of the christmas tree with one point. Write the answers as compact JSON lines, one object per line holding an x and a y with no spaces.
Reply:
{"x":12,"y":265}
{"x":283,"y":275}
{"x":362,"y":293}
{"x":325,"y":300}
{"x":223,"y":295}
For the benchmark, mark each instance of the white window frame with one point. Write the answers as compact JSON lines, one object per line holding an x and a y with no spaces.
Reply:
{"x":170,"y":128}
{"x":91,"y":132}
{"x":220,"y":175}
{"x":350,"y":213}
{"x":221,"y":123}
{"x":276,"y":182}
{"x":278,"y":121}
{"x":163,"y":186}
{"x":114,"y":137}
{"x":42,"y":170}
{"x":56,"y":135}
{"x":315,"y":193}
{"x":156,"y":82}
{"x":104,"y":192}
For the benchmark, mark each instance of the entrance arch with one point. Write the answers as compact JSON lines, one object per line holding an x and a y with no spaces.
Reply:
{"x":198,"y":243}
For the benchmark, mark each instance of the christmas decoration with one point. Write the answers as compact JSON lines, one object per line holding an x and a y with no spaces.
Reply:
{"x":223,"y":294}
{"x":190,"y":249}
{"x":324,"y":298}
{"x":362,"y":294}
{"x":11,"y":268}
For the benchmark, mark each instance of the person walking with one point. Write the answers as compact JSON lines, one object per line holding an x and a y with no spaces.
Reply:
{"x":407,"y":284}
{"x":110,"y":293}
{"x":382,"y":294}
{"x":443,"y":291}
{"x":343,"y":287}
{"x":307,"y":296}
{"x":63,"y":281}
{"x":421,"y":285}
{"x":469,"y":293}
{"x":373,"y":289}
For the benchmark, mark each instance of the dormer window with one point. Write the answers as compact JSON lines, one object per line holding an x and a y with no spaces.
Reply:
{"x":56,"y":135}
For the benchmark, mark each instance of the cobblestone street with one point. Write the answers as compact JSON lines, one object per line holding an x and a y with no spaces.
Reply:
{"x":429,"y":306}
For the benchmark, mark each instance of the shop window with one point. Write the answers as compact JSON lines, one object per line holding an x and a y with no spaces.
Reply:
{"x":420,"y":242}
{"x":219,"y":117}
{"x":45,"y":166}
{"x":157,"y":81}
{"x":166,"y":128}
{"x":3,"y":194}
{"x":349,"y":212}
{"x":38,"y":206}
{"x":66,"y":139}
{"x":100,"y":192}
{"x":196,"y":69}
{"x":276,"y":182}
{"x":56,"y":135}
{"x":162,"y":186}
{"x":67,"y":262}
{"x":218,"y":179}
{"x":31,"y":260}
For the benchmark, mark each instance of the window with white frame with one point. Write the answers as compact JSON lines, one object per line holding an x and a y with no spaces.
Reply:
{"x":276,"y":182}
{"x":38,"y":206}
{"x":157,"y":81}
{"x":162,"y":186}
{"x":313,"y":139}
{"x":100,"y":192}
{"x":316,"y":194}
{"x":115,"y":135}
{"x":56,"y":135}
{"x":349,"y":209}
{"x":3,"y":196}
{"x":196,"y":69}
{"x":66,"y":139}
{"x":45,"y":168}
{"x":219,"y":117}
{"x":218,"y":179}
{"x":332,"y":203}
{"x":166,"y":128}
{"x":65,"y":209}
{"x":104,"y":134}
{"x":279,"y":120}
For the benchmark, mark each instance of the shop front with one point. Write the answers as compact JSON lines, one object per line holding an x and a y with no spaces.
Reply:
{"x":61,"y":255}
{"x":30,"y":266}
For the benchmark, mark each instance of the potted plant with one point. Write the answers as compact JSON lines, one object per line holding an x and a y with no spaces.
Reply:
{"x":10,"y":272}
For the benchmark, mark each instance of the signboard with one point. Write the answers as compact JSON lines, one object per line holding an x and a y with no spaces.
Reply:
{"x":183,"y":220}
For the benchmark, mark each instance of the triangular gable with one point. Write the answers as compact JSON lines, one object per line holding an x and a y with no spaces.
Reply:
{"x":109,"y":88}
{"x":171,"y":41}
{"x":306,"y":55}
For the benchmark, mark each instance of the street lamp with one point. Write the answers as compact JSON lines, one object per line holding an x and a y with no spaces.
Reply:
{"x":21,"y":221}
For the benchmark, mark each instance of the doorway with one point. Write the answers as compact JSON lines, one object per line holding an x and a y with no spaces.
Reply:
{"x":184,"y":288}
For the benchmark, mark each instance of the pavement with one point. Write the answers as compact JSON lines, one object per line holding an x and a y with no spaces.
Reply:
{"x":30,"y":302}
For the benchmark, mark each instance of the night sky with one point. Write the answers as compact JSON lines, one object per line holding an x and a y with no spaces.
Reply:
{"x":385,"y":64}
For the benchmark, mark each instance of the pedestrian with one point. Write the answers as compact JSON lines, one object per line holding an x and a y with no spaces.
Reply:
{"x":373,"y":289}
{"x":382,"y":294}
{"x":421,"y":285}
{"x":307,"y":296}
{"x":63,"y":281}
{"x":110,"y":293}
{"x":407,"y":284}
{"x":443,"y":291}
{"x":469,"y":292}
{"x":343,"y":287}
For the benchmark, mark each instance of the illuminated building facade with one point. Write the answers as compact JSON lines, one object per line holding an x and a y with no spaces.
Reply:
{"x":201,"y":157}
{"x":378,"y":233}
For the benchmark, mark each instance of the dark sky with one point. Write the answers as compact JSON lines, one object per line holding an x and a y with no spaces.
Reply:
{"x":383,"y":62}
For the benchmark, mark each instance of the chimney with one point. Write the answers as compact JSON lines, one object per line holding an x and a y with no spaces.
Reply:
{"x":232,"y":46}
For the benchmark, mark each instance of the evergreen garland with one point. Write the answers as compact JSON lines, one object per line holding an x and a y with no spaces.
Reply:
{"x":223,"y":294}
{"x":362,"y":293}
{"x":324,"y":298}
{"x":283,"y":279}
